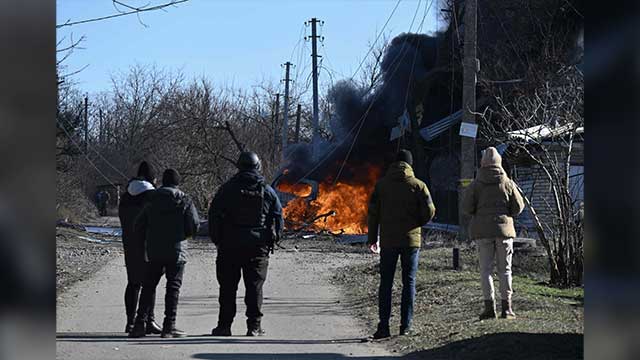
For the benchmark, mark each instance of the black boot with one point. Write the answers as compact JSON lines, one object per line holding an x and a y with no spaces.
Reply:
{"x":153,"y":327}
{"x":169,"y":330}
{"x":138,"y":329}
{"x":382,"y":332}
{"x":489,"y":310}
{"x":254,"y":328}
{"x":131,"y":297}
{"x":129,"y":325}
{"x":507,"y":311}
{"x":221,"y":330}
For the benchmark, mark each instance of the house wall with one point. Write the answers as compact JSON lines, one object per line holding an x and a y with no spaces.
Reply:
{"x":534,"y":183}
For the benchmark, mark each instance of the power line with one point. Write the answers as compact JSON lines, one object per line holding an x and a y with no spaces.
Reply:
{"x":383,"y":86}
{"x":325,"y":56}
{"x":300,"y":39}
{"x":396,"y":61}
{"x":84,"y":153}
{"x":377,"y":38}
{"x":360,"y":121}
{"x":363,"y":118}
{"x":103,"y":158}
{"x":134,"y":11}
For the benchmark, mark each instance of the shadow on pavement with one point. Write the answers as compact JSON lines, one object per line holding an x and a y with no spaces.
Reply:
{"x":511,"y":345}
{"x":508,"y":346}
{"x":196,"y":339}
{"x":291,"y":306}
{"x":286,"y":356}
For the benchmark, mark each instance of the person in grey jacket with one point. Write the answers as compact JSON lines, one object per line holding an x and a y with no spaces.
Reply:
{"x":166,"y":221}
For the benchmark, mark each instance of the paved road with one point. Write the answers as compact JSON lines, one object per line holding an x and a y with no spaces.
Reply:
{"x":305,"y":318}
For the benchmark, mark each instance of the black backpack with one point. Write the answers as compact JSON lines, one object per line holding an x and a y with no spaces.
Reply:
{"x":247,"y":208}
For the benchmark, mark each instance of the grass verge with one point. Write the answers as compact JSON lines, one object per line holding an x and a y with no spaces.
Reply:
{"x":448,"y":302}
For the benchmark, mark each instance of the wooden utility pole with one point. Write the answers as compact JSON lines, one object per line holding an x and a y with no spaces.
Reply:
{"x":298,"y":123}
{"x":86,"y":122}
{"x":276,"y":112}
{"x":285,"y":122}
{"x":468,"y":143}
{"x":314,"y":56}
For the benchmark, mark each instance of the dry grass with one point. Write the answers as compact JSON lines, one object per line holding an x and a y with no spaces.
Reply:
{"x":448,"y":303}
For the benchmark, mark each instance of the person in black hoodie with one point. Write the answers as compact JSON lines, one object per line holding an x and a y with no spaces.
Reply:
{"x":131,"y":203}
{"x":245,"y":221}
{"x":166,"y":221}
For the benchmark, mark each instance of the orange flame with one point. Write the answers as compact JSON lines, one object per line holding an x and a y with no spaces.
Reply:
{"x":348,"y":198}
{"x":299,"y":189}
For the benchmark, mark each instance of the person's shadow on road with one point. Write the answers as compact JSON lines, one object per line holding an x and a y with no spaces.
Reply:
{"x":508,"y":346}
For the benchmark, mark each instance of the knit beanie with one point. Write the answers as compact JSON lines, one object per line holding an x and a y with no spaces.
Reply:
{"x":491,"y":157}
{"x":405,"y":155}
{"x":170,"y":177}
{"x":145,"y":171}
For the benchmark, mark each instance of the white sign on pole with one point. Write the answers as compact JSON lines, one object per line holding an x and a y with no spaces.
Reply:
{"x":404,"y":124}
{"x":468,"y":130}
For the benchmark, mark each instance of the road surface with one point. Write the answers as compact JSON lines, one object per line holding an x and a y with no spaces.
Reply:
{"x":305,"y":316}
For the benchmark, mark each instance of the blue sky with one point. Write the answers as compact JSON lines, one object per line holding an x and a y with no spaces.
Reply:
{"x":238,"y":43}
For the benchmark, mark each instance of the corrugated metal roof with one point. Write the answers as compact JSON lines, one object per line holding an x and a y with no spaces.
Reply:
{"x":434,"y":130}
{"x":541,"y":132}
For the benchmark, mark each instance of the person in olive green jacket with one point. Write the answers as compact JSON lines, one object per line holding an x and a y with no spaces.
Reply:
{"x":493,"y":201}
{"x":400,"y":204}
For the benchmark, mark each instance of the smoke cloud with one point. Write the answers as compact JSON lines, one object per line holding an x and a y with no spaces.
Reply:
{"x":364,"y":117}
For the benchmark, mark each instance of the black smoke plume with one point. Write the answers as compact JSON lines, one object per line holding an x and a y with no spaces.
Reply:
{"x":362,"y":119}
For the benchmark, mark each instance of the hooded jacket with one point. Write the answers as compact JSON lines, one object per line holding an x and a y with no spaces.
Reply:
{"x":492,"y":200}
{"x":400,"y":204}
{"x":131,"y":204}
{"x":249,"y":223}
{"x":166,"y":221}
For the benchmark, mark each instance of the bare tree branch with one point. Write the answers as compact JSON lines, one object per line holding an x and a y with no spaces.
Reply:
{"x":133,"y":11}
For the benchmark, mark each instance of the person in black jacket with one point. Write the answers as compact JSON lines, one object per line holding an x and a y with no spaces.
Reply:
{"x":102,"y":200}
{"x":166,"y":221}
{"x":245,"y":221}
{"x":131,"y":203}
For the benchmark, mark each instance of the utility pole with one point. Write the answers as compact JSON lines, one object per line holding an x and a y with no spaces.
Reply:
{"x":285,"y":122}
{"x":298,"y":123}
{"x":314,"y":55}
{"x":468,"y":143}
{"x":86,"y":122}
{"x":276,"y":112}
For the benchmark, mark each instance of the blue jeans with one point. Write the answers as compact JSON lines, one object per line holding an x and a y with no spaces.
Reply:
{"x":409,"y":262}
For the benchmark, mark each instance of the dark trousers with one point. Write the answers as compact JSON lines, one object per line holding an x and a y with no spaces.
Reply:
{"x":230,"y":266}
{"x":409,"y":262}
{"x":136,"y":273}
{"x":173,"y":273}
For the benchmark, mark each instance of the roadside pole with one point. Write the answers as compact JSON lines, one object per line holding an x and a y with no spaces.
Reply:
{"x":468,"y":127}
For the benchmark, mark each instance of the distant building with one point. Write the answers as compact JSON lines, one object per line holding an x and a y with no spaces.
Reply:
{"x":535,"y":184}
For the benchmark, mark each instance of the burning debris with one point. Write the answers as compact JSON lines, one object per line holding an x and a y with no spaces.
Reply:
{"x":339,"y":208}
{"x":347,"y":167}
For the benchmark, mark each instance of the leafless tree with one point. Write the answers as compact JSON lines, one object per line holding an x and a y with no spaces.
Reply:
{"x":556,"y":106}
{"x":533,"y":83}
{"x":371,"y":74}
